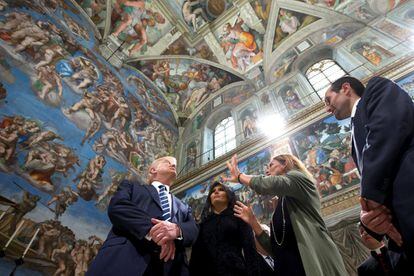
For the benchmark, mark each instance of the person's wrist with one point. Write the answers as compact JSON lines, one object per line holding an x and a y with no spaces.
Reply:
{"x":238,"y":177}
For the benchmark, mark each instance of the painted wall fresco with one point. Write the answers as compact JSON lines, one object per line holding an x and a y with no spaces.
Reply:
{"x":197,"y":13}
{"x":201,"y":50}
{"x":137,"y":25}
{"x":248,"y":119}
{"x":241,"y":44}
{"x":374,"y":53}
{"x":266,"y":105}
{"x":291,"y":99}
{"x":185,"y":82}
{"x":71,"y":128}
{"x":289,"y":22}
{"x":325,"y":148}
{"x":196,"y":196}
{"x":407,"y":83}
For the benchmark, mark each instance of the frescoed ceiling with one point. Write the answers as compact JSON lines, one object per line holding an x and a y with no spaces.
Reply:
{"x":248,"y":39}
{"x":91,"y":91}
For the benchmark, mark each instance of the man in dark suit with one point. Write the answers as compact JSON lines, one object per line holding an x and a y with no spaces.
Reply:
{"x":382,"y":262}
{"x":383,"y":149}
{"x":266,"y":262}
{"x":151,"y":228}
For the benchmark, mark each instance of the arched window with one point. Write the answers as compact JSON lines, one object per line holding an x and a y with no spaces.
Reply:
{"x":322,"y":74}
{"x":224,"y":137}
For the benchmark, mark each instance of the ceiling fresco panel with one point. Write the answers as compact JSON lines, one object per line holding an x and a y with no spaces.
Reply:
{"x":262,"y":10}
{"x":390,"y":28}
{"x":200,"y":50}
{"x":197,"y":13}
{"x":336,"y":33}
{"x":241,"y":43}
{"x":288,"y":23}
{"x":136,"y":26}
{"x":186,"y":83}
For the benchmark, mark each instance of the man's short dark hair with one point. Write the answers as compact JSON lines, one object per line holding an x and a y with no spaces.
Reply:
{"x":353,"y":82}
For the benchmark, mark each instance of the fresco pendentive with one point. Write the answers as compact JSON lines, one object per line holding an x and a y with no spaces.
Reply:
{"x":283,"y":66}
{"x":325,"y":149}
{"x":71,"y":128}
{"x":288,"y":23}
{"x":241,"y":44}
{"x":185,"y":82}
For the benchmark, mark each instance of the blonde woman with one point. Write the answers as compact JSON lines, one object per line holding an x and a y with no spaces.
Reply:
{"x":299,"y":240}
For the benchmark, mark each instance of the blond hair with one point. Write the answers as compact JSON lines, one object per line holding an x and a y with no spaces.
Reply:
{"x":293,"y":163}
{"x":155,"y":163}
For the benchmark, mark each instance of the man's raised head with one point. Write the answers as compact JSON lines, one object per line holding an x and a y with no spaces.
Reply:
{"x":163,"y":169}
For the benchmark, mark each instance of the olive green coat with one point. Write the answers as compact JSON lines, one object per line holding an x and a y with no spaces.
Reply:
{"x":318,"y":252}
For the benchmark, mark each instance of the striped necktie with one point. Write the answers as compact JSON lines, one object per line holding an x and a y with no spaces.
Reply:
{"x":165,"y":206}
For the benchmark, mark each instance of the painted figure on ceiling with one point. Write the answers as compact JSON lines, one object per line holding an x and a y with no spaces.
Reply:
{"x":239,"y":45}
{"x":191,"y":12}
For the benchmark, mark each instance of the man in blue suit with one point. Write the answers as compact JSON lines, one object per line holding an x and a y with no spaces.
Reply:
{"x":382,"y":262}
{"x":382,"y":116}
{"x":151,"y":228}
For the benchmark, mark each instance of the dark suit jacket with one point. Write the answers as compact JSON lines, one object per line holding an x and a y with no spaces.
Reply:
{"x":126,"y":251}
{"x":383,"y":149}
{"x":264,"y":268}
{"x":389,"y":264}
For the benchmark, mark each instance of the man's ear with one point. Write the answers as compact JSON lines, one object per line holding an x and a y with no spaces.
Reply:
{"x":346,"y":88}
{"x":153,"y":170}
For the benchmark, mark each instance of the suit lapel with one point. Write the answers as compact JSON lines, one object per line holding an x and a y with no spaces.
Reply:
{"x":358,"y":137}
{"x":174,"y":207}
{"x":154,"y":194}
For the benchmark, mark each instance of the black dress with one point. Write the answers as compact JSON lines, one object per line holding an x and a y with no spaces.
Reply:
{"x":219,"y":246}
{"x":287,"y":254}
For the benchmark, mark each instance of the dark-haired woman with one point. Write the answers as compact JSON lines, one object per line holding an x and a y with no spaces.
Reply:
{"x":225,"y":244}
{"x":299,"y":240}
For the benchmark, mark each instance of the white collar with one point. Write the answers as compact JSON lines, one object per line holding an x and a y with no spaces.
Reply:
{"x":157,"y":185}
{"x":378,"y":250}
{"x":354,"y":108}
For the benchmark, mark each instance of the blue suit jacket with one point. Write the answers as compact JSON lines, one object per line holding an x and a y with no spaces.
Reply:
{"x":392,"y":264}
{"x":383,"y":149}
{"x":126,"y":251}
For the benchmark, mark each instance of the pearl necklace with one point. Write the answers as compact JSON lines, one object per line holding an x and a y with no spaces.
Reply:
{"x":283,"y":226}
